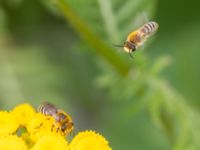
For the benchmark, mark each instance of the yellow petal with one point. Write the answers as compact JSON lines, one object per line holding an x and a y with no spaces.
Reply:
{"x":41,"y":125}
{"x":8,"y":123}
{"x":51,"y":142}
{"x":89,"y":140}
{"x":23,"y":113}
{"x":12,"y":142}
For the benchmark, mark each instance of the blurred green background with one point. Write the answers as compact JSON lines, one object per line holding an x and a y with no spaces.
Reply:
{"x":61,"y":51}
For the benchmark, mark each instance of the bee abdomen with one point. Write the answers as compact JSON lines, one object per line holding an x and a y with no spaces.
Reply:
{"x":150,"y":27}
{"x":47,"y":109}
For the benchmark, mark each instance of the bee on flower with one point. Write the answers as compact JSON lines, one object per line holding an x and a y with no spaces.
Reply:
{"x":63,"y":121}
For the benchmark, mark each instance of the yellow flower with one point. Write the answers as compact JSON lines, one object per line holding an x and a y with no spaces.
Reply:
{"x":12,"y":142}
{"x":51,"y":142}
{"x":26,"y":137}
{"x":41,"y":125}
{"x":8,"y":123}
{"x":42,"y":132}
{"x":89,"y":140}
{"x":23,"y":113}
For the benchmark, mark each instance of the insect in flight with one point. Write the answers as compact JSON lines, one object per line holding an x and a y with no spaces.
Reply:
{"x":136,"y":38}
{"x":63,"y":121}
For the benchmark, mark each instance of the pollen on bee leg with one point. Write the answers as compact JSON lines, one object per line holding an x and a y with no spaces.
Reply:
{"x":54,"y":128}
{"x":126,"y":49}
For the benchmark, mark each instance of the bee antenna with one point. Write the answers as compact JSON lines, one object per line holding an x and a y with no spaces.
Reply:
{"x":116,"y":45}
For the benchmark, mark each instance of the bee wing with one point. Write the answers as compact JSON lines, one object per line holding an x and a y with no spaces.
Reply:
{"x":140,"y":19}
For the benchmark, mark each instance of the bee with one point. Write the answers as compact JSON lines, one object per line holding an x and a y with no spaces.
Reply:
{"x":137,"y":38}
{"x":63,"y":121}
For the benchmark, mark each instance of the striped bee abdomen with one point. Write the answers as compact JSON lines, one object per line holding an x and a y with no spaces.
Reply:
{"x":149,"y":28}
{"x":47,"y":109}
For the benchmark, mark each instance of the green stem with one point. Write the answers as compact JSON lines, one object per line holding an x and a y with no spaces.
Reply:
{"x":109,"y":54}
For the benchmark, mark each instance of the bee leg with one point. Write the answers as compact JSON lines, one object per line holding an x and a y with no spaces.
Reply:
{"x":57,"y":130}
{"x":73,"y":134}
{"x":52,"y":127}
{"x":39,"y":126}
{"x":130,"y":54}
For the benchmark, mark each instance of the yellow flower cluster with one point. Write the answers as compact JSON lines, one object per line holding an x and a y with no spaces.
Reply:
{"x":23,"y":128}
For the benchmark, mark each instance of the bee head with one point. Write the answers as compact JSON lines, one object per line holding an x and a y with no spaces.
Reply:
{"x":67,"y":127}
{"x":129,"y":47}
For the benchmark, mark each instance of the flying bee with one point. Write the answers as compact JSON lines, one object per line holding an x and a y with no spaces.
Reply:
{"x":63,"y":121}
{"x":137,"y":38}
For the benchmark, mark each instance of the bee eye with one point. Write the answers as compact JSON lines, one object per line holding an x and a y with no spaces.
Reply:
{"x":62,"y":117}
